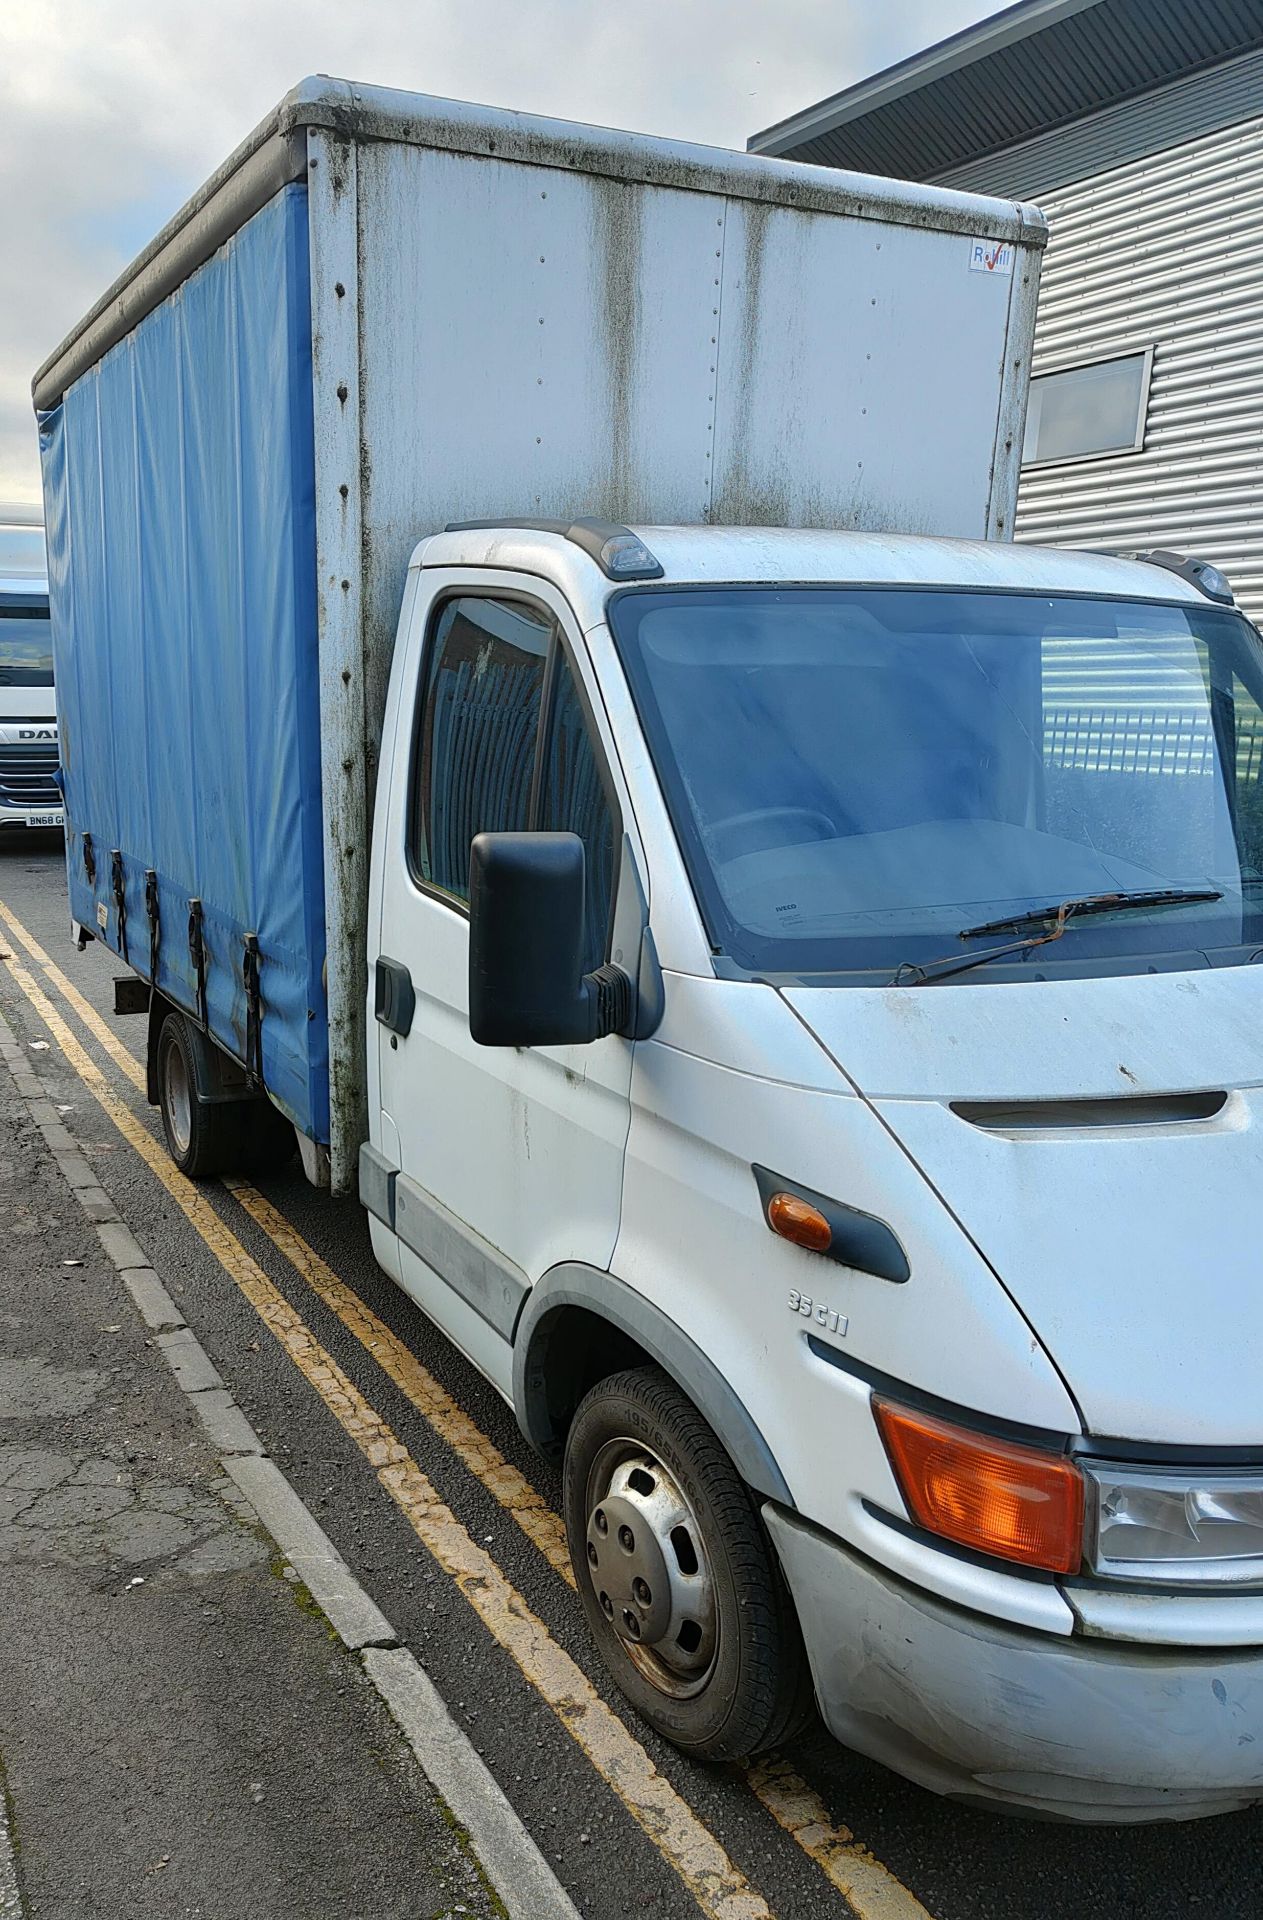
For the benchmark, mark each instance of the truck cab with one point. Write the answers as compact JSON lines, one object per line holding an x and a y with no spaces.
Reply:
{"x":814,"y":1005}
{"x":29,"y":794}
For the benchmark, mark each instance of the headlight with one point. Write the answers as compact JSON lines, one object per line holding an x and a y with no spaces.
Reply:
{"x":1165,"y":1526}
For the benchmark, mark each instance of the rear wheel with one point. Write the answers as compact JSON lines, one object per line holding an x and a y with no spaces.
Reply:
{"x":200,"y":1136}
{"x":208,"y":1137}
{"x":679,"y":1582}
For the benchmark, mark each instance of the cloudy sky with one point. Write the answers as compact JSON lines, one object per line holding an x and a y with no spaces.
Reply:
{"x":113,"y":111}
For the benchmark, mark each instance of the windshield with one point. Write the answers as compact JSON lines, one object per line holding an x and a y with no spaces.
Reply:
{"x":858,"y":776}
{"x":26,"y":647}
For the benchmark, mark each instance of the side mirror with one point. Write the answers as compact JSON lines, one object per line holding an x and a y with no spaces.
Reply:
{"x":527,"y":987}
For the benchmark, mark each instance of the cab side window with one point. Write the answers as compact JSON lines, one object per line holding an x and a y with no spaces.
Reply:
{"x":572,"y":799}
{"x":480,"y":717}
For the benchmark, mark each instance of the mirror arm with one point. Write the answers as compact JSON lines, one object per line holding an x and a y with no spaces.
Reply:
{"x":611,"y":998}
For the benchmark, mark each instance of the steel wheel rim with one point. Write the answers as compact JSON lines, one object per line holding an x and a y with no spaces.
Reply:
{"x":647,"y":1563}
{"x":177,"y":1099}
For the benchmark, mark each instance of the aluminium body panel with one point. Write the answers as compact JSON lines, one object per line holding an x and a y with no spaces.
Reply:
{"x":535,"y":339}
{"x":275,"y":152}
{"x":348,"y":762}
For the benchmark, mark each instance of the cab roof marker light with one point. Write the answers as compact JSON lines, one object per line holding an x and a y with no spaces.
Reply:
{"x":624,"y":557}
{"x":1199,"y":573}
{"x":618,"y":552}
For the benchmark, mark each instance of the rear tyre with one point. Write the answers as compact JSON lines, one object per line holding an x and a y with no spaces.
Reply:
{"x":681,"y":1587}
{"x":201,"y":1138}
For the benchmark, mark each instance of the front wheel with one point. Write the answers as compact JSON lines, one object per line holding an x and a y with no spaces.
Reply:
{"x":681,"y":1587}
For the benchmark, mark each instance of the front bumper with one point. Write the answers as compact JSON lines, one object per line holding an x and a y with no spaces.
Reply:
{"x":24,"y":818}
{"x":1070,"y":1728}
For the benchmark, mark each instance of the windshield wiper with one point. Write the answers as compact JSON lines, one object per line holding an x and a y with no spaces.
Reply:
{"x":913,"y":973}
{"x":1063,"y":910}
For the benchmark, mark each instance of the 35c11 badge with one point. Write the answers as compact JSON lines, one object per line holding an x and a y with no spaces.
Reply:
{"x":826,"y":1317}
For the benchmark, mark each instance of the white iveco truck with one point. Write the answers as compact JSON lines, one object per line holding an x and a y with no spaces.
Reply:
{"x":553,"y":715}
{"x":29,"y":793}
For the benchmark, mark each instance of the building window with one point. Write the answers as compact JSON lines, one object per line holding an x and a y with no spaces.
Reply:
{"x":1081,"y":413}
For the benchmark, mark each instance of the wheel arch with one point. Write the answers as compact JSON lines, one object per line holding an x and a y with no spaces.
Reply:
{"x":578,"y":1324}
{"x":217,"y":1077}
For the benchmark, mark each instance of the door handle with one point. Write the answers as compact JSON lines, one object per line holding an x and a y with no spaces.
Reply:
{"x":394,"y":996}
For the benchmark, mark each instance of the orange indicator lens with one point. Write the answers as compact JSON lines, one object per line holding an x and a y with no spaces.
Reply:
{"x":995,"y":1496}
{"x":799,"y":1221}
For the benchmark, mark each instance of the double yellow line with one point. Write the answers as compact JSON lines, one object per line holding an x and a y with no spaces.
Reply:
{"x":716,"y":1883}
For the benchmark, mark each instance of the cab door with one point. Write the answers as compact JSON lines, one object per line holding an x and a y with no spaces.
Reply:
{"x":510,"y":1159}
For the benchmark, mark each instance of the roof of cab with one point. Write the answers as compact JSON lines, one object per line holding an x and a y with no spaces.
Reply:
{"x":712,"y":555}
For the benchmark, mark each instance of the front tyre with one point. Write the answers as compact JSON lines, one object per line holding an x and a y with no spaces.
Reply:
{"x":681,"y":1587}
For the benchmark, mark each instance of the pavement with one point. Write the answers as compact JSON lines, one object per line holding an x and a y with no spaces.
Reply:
{"x":183,"y":1729}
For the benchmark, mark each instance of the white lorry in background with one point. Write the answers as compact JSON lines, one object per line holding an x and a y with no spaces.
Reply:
{"x":794,"y":1018}
{"x":29,"y":794}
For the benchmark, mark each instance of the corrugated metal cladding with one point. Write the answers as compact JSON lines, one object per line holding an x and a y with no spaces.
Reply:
{"x":1106,"y":53}
{"x":1200,"y":103}
{"x":1168,"y":252}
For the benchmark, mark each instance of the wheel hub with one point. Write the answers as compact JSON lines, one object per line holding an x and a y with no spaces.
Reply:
{"x":649,"y":1570}
{"x":178,"y":1099}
